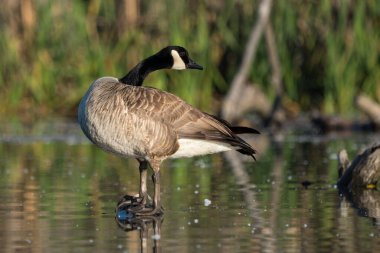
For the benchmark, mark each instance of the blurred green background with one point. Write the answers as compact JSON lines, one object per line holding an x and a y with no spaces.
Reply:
{"x":51,"y":51}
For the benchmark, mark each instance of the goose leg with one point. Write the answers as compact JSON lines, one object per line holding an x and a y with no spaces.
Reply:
{"x":135,"y":204}
{"x":156,"y":209}
{"x":143,"y":193}
{"x":138,"y":206}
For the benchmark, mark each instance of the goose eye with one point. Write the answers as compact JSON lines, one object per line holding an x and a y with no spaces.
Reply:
{"x":182,"y":54}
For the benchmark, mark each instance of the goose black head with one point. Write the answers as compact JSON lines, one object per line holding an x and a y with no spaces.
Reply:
{"x":171,"y":57}
{"x":177,"y":58}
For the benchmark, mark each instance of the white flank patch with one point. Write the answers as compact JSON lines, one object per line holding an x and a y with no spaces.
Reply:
{"x":190,"y":147}
{"x":178,"y":62}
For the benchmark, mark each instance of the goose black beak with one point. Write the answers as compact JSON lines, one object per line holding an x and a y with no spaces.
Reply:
{"x":193,"y":65}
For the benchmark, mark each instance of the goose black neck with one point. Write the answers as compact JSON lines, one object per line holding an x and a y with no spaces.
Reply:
{"x":137,"y":75}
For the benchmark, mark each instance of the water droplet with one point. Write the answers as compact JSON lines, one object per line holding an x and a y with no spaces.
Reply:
{"x":196,"y":221}
{"x":207,"y":202}
{"x":156,"y":237}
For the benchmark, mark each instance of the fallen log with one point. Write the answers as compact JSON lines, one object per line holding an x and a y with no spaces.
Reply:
{"x":325,"y":124}
{"x":336,"y":123}
{"x":240,"y":78}
{"x":370,"y":108}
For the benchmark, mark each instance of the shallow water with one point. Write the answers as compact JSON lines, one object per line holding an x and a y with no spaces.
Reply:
{"x":58,"y":193}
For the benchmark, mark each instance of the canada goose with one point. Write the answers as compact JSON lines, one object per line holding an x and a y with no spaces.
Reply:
{"x":122,"y":117}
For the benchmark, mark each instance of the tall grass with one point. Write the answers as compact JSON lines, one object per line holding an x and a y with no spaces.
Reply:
{"x":328,"y":50}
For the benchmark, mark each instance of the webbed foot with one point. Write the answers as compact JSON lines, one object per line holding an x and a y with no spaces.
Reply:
{"x":131,"y":206}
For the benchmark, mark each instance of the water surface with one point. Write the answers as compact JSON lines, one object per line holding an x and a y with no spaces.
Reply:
{"x":58,"y":193}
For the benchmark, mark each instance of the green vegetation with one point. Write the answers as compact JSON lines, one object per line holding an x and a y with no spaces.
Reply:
{"x":51,"y":51}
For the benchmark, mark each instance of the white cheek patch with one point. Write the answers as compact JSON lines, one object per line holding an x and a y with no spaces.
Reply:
{"x":178,"y":62}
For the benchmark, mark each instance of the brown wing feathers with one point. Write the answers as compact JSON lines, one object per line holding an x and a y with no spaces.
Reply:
{"x":233,"y":139}
{"x":209,"y":127}
{"x":188,"y":121}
